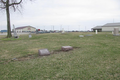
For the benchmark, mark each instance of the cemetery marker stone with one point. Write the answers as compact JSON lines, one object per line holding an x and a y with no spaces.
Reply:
{"x":81,"y":35}
{"x":89,"y":35}
{"x":66,"y":48}
{"x":30,"y":35}
{"x":63,"y":30}
{"x":116,"y":31}
{"x":96,"y":31}
{"x":43,"y":52}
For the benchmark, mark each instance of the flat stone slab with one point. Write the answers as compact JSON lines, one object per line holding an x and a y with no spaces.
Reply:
{"x":43,"y":52}
{"x":81,"y":35}
{"x":66,"y":48}
{"x":116,"y":34}
{"x":89,"y":35}
{"x":30,"y":36}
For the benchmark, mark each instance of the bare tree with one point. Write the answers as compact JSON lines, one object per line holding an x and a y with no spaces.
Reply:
{"x":7,"y":4}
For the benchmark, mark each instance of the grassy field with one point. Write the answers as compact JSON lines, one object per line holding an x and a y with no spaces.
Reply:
{"x":94,"y":57}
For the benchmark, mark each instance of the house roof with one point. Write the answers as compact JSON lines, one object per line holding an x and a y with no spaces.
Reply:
{"x":112,"y":25}
{"x":97,"y":27}
{"x":23,"y":27}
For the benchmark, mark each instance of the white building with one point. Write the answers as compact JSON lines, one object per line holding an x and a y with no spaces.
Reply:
{"x":25,"y":29}
{"x":98,"y":28}
{"x":110,"y":26}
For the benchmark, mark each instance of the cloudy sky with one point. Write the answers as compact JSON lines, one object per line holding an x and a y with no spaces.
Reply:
{"x":67,"y":14}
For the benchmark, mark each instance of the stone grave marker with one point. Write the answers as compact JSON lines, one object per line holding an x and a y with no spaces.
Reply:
{"x":81,"y":35}
{"x":30,"y":35}
{"x":66,"y":48}
{"x":112,"y":32}
{"x":96,"y":31}
{"x":63,"y":30}
{"x":43,"y":52}
{"x":15,"y":33}
{"x":116,"y":31}
{"x":89,"y":35}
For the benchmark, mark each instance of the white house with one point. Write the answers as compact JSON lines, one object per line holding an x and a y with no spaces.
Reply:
{"x":110,"y":26}
{"x":25,"y":29}
{"x":98,"y":28}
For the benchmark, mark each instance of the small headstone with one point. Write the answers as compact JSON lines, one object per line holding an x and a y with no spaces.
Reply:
{"x":30,"y":35}
{"x":96,"y":31}
{"x":14,"y":59}
{"x":81,"y":35}
{"x":89,"y":35}
{"x":116,"y":31}
{"x":43,"y":52}
{"x":112,"y":32}
{"x":63,"y":30}
{"x":66,"y":48}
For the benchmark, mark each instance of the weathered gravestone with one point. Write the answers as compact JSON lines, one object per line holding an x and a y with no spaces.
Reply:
{"x":89,"y":35}
{"x":30,"y":35}
{"x":96,"y":31}
{"x":81,"y":35}
{"x":66,"y":48}
{"x":43,"y":52}
{"x":63,"y":30}
{"x":116,"y":31}
{"x":112,"y":32}
{"x":15,"y":33}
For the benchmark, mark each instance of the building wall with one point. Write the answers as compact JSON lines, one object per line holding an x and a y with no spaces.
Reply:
{"x":108,"y":28}
{"x":19,"y":30}
{"x":26,"y":29}
{"x":99,"y":30}
{"x":29,"y":29}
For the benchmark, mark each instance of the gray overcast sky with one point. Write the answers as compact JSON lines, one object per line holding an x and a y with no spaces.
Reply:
{"x":67,"y":14}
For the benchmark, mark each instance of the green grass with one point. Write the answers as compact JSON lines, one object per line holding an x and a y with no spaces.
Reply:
{"x":96,"y":58}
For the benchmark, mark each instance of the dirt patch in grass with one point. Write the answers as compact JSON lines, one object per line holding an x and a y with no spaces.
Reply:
{"x":30,"y":56}
{"x":59,"y":51}
{"x":33,"y":56}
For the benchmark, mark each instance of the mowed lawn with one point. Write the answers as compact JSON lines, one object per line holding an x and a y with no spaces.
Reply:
{"x":94,"y":57}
